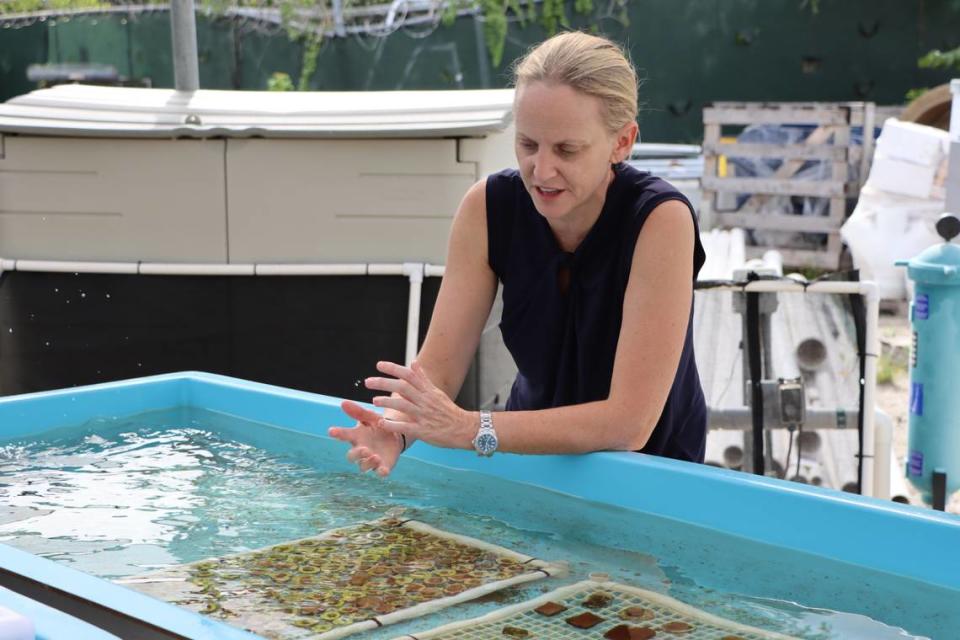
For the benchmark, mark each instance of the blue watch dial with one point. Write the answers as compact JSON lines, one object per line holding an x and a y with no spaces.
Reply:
{"x":486,"y":443}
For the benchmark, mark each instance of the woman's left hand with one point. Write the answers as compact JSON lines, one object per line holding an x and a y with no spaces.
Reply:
{"x":433,"y":416}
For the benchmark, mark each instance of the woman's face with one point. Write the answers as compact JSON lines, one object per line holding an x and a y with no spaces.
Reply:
{"x":564,"y":150}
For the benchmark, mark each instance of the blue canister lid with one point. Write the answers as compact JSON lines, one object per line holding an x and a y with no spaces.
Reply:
{"x":939,"y":264}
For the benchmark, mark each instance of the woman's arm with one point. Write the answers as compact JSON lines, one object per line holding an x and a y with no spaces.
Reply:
{"x":656,"y":311}
{"x":463,"y":305}
{"x":465,"y":298}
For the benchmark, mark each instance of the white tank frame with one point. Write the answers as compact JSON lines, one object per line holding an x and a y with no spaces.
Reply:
{"x":415,"y":272}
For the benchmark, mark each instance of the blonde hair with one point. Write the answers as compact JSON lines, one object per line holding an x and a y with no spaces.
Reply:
{"x":589,"y":64}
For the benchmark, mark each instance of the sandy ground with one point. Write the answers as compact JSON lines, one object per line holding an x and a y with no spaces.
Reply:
{"x":893,"y":397}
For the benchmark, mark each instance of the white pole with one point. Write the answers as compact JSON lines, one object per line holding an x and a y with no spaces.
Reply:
{"x":50,"y":266}
{"x":165,"y":269}
{"x":234,"y":269}
{"x":183,"y":33}
{"x":415,"y":272}
{"x":338,"y":27}
{"x":740,"y":418}
{"x":883,"y":445}
{"x":872,"y":472}
{"x":311,"y":269}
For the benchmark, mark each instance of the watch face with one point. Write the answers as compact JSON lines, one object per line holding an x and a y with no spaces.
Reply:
{"x":486,"y":443}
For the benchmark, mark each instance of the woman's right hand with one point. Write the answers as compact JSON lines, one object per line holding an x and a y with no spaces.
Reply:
{"x":371,"y":447}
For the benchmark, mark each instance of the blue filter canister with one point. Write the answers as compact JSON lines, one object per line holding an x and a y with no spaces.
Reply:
{"x":934,"y":443}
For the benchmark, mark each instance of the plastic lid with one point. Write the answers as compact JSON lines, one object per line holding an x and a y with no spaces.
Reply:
{"x":939,"y":264}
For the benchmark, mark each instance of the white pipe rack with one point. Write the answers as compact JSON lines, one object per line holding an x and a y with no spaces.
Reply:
{"x":875,"y":449}
{"x":415,"y":272}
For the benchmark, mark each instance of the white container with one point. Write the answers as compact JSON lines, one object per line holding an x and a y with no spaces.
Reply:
{"x":882,"y":229}
{"x":903,"y":178}
{"x":912,"y":142}
{"x":14,"y":626}
{"x":955,"y":111}
{"x":116,"y":174}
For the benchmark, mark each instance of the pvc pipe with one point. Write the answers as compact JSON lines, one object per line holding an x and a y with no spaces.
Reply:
{"x":338,"y":27}
{"x":414,"y":271}
{"x":186,"y":269}
{"x":809,"y":441}
{"x":183,"y":35}
{"x":811,"y":353}
{"x":310,"y":269}
{"x":739,"y":419}
{"x":872,"y":473}
{"x":792,"y":286}
{"x":376,"y":269}
{"x":772,"y":259}
{"x":882,"y":450}
{"x":207,"y":269}
{"x":733,"y":457}
{"x":50,"y":266}
{"x":431,"y":270}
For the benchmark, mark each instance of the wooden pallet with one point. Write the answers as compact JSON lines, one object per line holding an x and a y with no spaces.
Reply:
{"x":828,"y":142}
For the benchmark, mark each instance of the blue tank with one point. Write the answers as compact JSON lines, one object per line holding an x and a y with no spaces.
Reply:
{"x":934,"y":443}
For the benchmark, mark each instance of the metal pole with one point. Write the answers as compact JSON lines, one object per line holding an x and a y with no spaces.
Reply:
{"x":183,"y":30}
{"x":338,"y":26}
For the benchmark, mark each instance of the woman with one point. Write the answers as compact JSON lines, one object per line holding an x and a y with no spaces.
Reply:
{"x":597,"y":262}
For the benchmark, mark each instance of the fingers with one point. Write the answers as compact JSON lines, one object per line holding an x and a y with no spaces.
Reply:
{"x":392,"y":385}
{"x":366,"y":460}
{"x":400,"y":404}
{"x":355,"y":454}
{"x":370,"y":462}
{"x":422,"y":377}
{"x":358,"y":413}
{"x":403,"y":373}
{"x":343,"y":433}
{"x":409,"y":429}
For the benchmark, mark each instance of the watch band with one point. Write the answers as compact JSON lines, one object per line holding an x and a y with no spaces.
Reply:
{"x":486,"y":421}
{"x":486,"y":442}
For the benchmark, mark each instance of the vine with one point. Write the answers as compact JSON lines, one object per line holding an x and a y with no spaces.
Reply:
{"x":311,"y":53}
{"x":937,"y":59}
{"x":494,"y":28}
{"x":305,"y":21}
{"x":26,"y":6}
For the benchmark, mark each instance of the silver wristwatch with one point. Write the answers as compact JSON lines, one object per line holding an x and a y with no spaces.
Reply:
{"x":486,"y":440}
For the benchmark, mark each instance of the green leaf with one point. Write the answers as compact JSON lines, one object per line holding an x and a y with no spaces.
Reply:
{"x":937,"y":59}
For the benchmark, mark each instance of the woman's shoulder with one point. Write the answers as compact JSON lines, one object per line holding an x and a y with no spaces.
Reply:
{"x":504,"y":180}
{"x":643,"y":188}
{"x":643,"y":193}
{"x":505,"y":194}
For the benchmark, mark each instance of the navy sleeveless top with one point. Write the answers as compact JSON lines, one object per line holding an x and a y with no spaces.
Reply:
{"x":564,"y":343}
